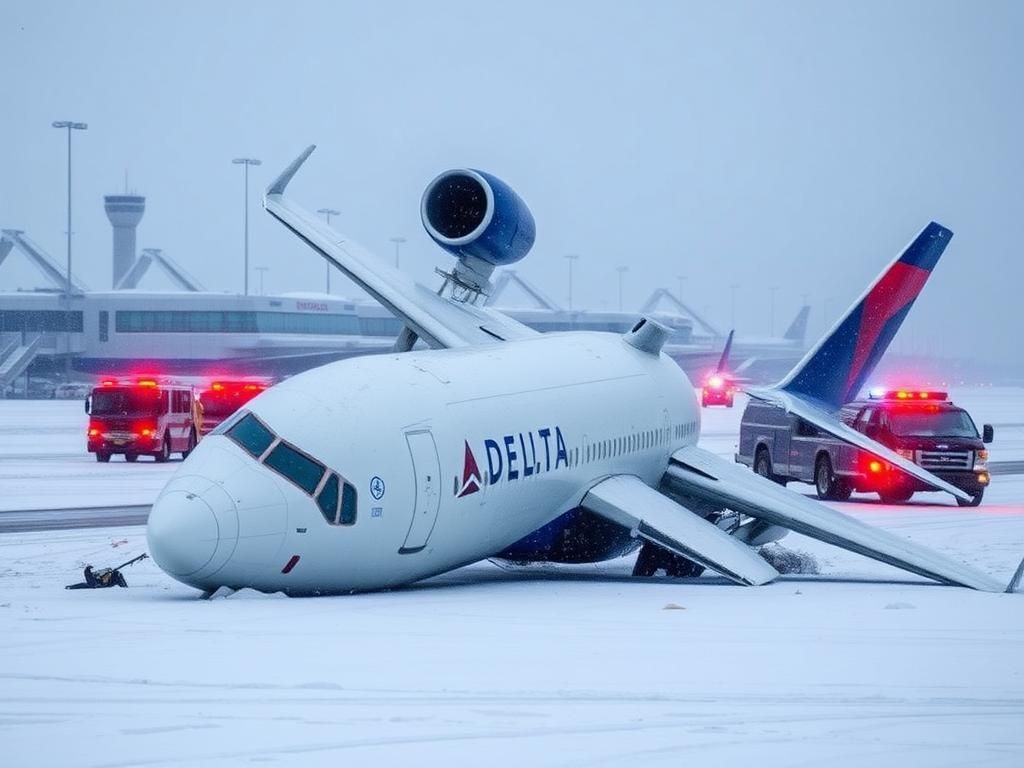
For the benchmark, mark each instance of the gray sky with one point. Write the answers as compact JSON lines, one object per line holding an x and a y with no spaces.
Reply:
{"x":798,"y":144}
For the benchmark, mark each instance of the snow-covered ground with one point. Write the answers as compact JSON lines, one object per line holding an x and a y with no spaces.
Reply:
{"x":486,"y":666}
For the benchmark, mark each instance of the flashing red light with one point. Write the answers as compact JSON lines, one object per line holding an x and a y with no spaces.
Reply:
{"x":907,"y":394}
{"x":146,"y":382}
{"x":715,"y":382}
{"x":875,"y":467}
{"x":145,"y":430}
{"x":108,"y":383}
{"x":94,"y":432}
{"x":217,"y":386}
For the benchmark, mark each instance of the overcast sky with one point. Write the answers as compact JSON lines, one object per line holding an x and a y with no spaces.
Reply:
{"x":798,"y":145}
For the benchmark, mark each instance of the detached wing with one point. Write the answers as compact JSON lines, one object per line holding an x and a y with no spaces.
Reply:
{"x":625,"y":500}
{"x":695,"y":473}
{"x":439,"y":321}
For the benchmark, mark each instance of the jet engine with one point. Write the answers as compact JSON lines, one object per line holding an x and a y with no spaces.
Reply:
{"x":477,"y":218}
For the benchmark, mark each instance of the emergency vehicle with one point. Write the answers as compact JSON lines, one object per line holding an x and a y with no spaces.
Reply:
{"x":920,"y":425}
{"x":223,"y":397}
{"x":718,"y":389}
{"x":141,"y":417}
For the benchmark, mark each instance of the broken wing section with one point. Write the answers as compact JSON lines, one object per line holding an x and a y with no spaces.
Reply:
{"x":695,"y":473}
{"x":625,"y":499}
{"x":440,"y":322}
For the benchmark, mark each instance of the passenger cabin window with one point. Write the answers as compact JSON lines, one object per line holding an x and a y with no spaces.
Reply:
{"x":295,"y":466}
{"x":251,"y":435}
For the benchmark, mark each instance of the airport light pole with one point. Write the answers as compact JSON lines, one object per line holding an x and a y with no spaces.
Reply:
{"x":327,"y":213}
{"x":571,"y":257}
{"x":682,"y":280}
{"x":262,"y":271}
{"x":622,"y":271}
{"x":70,"y":126}
{"x":246,"y":161}
{"x":397,"y":240}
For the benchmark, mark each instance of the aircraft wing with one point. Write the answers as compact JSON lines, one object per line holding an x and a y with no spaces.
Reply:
{"x":625,"y":499}
{"x":826,"y":422}
{"x":440,"y":322}
{"x":695,"y":473}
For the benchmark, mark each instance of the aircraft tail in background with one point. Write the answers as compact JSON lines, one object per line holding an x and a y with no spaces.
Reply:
{"x":797,"y":330}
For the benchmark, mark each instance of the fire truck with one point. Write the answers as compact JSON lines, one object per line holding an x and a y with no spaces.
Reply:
{"x":923,"y":426}
{"x":223,"y":397}
{"x":141,"y":417}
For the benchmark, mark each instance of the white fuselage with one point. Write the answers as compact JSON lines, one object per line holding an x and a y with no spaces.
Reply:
{"x":543,"y":420}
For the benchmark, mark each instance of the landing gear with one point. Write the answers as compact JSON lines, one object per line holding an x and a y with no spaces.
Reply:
{"x":653,"y":558}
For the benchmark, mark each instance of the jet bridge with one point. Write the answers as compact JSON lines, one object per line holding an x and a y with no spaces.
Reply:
{"x":183,"y":279}
{"x":44,"y":262}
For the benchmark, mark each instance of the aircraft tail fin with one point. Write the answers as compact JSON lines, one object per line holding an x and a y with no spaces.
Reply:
{"x":723,"y":361}
{"x":834,"y":370}
{"x":797,"y":330}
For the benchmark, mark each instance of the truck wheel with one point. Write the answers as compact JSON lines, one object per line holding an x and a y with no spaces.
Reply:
{"x":975,"y":499}
{"x":828,"y":486}
{"x":102,"y":456}
{"x":763,"y":465}
{"x":895,"y":497}
{"x":131,"y":458}
{"x":165,"y":450}
{"x":191,"y":445}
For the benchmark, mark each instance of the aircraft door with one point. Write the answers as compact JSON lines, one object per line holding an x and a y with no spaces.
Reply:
{"x":427,"y":471}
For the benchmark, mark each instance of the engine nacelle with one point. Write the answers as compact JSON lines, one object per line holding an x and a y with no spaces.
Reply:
{"x":476,"y":216}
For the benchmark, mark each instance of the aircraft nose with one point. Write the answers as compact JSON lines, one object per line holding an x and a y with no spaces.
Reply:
{"x":182,"y":532}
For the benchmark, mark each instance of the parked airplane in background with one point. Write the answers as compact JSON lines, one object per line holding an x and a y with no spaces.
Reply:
{"x":502,"y":442}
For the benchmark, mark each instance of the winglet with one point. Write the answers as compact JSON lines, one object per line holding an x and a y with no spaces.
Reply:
{"x":278,"y":187}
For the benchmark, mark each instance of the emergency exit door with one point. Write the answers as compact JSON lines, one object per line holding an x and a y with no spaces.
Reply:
{"x":427,"y":470}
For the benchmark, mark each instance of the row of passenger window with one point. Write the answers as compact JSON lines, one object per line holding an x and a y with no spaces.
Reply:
{"x":335,"y":497}
{"x":638,"y":441}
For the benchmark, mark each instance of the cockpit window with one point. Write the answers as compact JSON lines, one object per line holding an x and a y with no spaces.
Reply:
{"x":348,"y":505}
{"x":250,"y":433}
{"x":295,"y":466}
{"x":328,"y":499}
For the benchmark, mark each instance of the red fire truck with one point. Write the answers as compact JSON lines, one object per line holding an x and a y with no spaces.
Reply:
{"x":141,"y":417}
{"x":223,"y":397}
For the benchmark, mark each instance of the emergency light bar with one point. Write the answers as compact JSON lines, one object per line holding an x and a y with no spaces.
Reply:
{"x":880,"y":393}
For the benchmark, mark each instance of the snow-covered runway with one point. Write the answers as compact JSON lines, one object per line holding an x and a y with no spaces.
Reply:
{"x":569,"y":667}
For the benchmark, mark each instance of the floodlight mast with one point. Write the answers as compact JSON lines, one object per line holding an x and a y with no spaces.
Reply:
{"x":246,"y":161}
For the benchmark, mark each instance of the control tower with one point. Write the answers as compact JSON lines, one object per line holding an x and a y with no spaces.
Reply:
{"x":125,"y":213}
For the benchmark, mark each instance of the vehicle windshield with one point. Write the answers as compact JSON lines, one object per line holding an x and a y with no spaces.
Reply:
{"x":932,"y":424}
{"x":125,"y":402}
{"x":219,"y":406}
